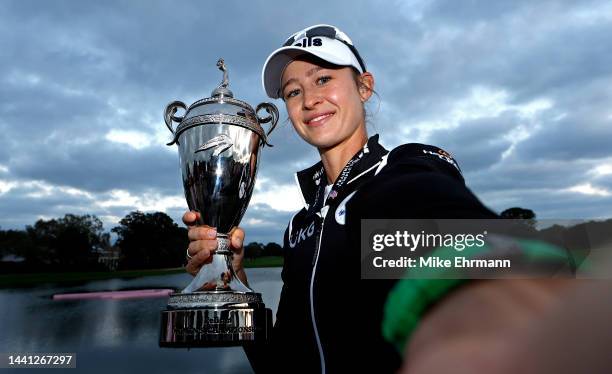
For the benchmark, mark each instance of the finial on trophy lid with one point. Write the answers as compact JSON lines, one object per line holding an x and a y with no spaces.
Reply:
{"x":222,"y":89}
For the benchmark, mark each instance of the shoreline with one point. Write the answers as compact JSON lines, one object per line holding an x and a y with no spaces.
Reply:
{"x":33,"y":279}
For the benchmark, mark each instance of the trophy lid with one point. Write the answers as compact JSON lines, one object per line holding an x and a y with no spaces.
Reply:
{"x":221,"y":107}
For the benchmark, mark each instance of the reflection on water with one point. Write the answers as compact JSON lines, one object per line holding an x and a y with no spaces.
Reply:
{"x":116,"y":335}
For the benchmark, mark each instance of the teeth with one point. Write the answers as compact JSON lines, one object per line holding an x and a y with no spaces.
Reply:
{"x":319,"y":118}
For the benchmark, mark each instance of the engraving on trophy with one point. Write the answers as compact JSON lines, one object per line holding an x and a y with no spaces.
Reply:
{"x":219,"y":141}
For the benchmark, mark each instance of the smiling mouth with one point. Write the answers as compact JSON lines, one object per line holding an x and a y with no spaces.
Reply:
{"x":319,"y":120}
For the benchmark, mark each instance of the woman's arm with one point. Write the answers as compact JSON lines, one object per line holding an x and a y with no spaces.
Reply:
{"x":482,"y":326}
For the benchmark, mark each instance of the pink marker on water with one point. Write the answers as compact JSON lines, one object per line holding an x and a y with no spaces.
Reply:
{"x":131,"y":294}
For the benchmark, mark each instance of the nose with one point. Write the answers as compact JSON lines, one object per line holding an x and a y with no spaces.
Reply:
{"x":311,"y":98}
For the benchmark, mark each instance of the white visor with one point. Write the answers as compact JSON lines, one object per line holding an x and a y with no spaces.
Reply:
{"x":328,"y":49}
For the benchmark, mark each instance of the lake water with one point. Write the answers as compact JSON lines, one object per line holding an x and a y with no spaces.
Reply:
{"x":115,"y":336}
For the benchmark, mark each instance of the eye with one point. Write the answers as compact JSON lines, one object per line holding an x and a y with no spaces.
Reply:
{"x":324,"y":79}
{"x":292,"y":93}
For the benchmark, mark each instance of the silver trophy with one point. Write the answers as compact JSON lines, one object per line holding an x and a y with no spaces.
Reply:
{"x":219,"y":140}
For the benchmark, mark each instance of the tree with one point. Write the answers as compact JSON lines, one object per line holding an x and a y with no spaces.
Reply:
{"x":150,"y":240}
{"x":71,"y":242}
{"x":273,"y":249}
{"x":519,"y":213}
{"x":14,"y":242}
{"x":253,"y":250}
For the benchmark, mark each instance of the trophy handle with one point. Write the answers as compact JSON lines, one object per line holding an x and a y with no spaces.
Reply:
{"x":273,"y":116}
{"x":169,"y":116}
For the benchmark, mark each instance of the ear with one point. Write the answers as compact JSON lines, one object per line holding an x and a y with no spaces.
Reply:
{"x":366,"y":86}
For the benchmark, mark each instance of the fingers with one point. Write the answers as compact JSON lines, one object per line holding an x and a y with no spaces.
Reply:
{"x":202,"y":233}
{"x":201,"y":252}
{"x":198,"y":246}
{"x":191,"y":218}
{"x":203,"y":242}
{"x":236,"y":237}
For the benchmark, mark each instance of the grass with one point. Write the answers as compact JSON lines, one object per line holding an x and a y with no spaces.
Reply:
{"x":264,"y":262}
{"x":33,"y":279}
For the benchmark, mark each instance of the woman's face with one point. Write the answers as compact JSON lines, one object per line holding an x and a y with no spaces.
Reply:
{"x":324,"y":103}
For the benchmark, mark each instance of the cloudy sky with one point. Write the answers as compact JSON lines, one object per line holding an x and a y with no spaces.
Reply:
{"x":520,"y":92}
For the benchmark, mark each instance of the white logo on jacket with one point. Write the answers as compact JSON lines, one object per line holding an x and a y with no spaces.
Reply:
{"x":341,"y":209}
{"x":301,"y":235}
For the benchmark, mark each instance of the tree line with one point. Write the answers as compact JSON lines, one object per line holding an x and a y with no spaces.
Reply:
{"x":80,"y":243}
{"x":154,"y":240}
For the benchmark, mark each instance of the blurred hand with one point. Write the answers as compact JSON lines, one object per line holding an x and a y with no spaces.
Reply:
{"x":203,"y":243}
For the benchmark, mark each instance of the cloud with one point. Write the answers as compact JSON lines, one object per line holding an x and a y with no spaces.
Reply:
{"x":573,"y":137}
{"x":100,"y":166}
{"x":589,"y":189}
{"x":264,"y":224}
{"x":135,"y":139}
{"x":519,"y":92}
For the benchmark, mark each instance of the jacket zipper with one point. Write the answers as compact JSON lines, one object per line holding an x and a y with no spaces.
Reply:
{"x":312,"y":314}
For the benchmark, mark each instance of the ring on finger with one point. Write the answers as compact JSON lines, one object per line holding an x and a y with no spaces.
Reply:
{"x":189,"y":257}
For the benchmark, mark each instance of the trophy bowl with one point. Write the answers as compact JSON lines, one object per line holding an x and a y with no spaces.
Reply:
{"x":219,"y":140}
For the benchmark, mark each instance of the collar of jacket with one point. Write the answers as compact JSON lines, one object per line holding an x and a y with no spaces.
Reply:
{"x":312,"y":181}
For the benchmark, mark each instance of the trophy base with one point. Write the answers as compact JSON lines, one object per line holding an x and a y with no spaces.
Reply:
{"x":214,"y":319}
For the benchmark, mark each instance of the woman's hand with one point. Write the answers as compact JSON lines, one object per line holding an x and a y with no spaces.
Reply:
{"x":484,"y":326}
{"x":203,"y":243}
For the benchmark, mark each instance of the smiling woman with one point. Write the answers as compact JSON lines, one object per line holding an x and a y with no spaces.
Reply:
{"x":325,"y":105}
{"x":328,"y":319}
{"x":324,"y":83}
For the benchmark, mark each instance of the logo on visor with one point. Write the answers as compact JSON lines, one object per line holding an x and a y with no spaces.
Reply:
{"x":309,"y":41}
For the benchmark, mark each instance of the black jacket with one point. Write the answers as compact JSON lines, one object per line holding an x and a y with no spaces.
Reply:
{"x":328,"y":319}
